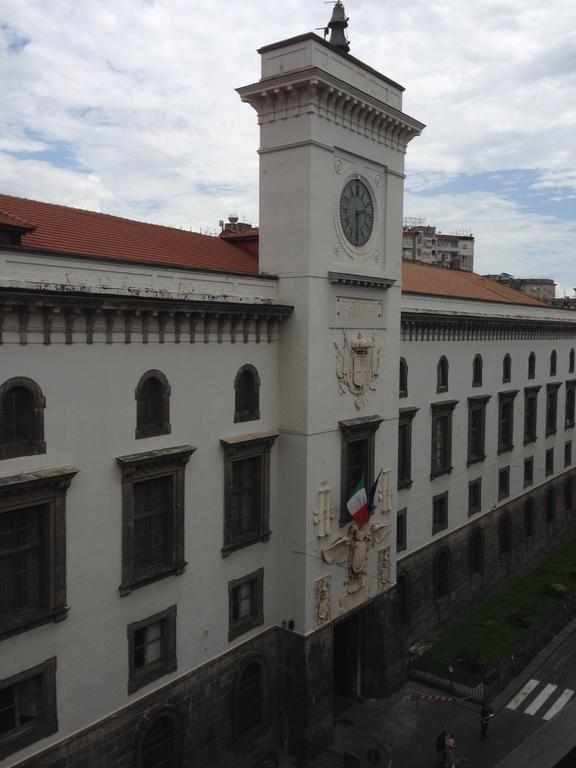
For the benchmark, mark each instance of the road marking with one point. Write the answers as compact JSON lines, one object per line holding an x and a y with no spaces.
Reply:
{"x":540,"y":699}
{"x":515,"y":702}
{"x":563,"y":699}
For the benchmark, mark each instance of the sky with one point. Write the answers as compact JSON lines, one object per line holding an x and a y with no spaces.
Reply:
{"x":128,"y":107}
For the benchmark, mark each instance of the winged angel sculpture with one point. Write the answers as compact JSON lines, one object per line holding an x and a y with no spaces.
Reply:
{"x":357,"y":365}
{"x":352,"y":550}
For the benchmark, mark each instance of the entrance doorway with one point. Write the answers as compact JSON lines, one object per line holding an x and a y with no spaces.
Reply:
{"x":352,"y":656}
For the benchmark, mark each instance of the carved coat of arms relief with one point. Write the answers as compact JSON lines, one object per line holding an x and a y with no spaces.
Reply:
{"x":357,"y":366}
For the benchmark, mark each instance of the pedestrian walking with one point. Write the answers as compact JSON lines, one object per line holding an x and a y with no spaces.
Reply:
{"x":450,"y":747}
{"x":486,"y":715}
{"x":441,"y":749}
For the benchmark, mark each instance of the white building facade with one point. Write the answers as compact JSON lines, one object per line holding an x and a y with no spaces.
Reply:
{"x":181,"y":430}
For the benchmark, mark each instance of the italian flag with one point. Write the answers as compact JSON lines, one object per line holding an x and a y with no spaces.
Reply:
{"x":357,"y":505}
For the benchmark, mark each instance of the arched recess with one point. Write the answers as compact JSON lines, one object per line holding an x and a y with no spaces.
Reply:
{"x":22,"y":407}
{"x":247,"y":394}
{"x":159,"y":740}
{"x":152,"y":405}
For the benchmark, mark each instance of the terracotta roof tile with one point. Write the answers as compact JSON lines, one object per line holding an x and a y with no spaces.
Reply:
{"x":100,"y":235}
{"x":456,"y":283}
{"x":15,"y":221}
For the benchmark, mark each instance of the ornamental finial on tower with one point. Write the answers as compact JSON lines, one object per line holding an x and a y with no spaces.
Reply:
{"x":337,"y":25}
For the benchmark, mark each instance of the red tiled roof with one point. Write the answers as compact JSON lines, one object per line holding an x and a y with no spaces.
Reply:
{"x":10,"y":220}
{"x":100,"y":235}
{"x":457,"y":283}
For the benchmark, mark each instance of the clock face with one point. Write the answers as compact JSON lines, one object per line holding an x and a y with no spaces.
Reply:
{"x":356,"y":212}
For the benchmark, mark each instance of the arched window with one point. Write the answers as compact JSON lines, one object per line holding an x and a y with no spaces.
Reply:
{"x":249,"y":698}
{"x":477,"y":371}
{"x":531,"y":365}
{"x":21,"y":418}
{"x":152,"y":405}
{"x":403,"y":378}
{"x":550,"y":505}
{"x":553,"y":362}
{"x":442,"y":375}
{"x":529,"y":518}
{"x":504,"y":538}
{"x":442,"y":574}
{"x":247,"y":401}
{"x":160,"y":745}
{"x":571,"y":362}
{"x":403,"y":595}
{"x":506,"y":368}
{"x":476,"y":552}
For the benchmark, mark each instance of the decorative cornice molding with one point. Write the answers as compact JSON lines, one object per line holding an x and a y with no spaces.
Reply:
{"x":366,"y":281}
{"x":422,"y":327}
{"x":46,"y":318}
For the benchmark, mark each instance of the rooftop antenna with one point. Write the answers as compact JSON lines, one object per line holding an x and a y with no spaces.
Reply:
{"x":336,"y":26}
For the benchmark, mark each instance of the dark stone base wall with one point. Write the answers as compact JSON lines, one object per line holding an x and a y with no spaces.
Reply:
{"x":426,"y":612}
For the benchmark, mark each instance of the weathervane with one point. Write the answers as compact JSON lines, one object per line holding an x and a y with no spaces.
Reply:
{"x":336,"y":26}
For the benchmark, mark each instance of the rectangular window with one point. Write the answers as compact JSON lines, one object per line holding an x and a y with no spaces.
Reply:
{"x":476,"y":428}
{"x":530,"y":414}
{"x":528,"y":471}
{"x":503,"y":483}
{"x":441,"y":451}
{"x":440,"y":512}
{"x":506,"y":421}
{"x":549,"y":461}
{"x":551,"y":408}
{"x":568,"y":453}
{"x":474,"y":496}
{"x":151,"y":648}
{"x":356,"y":458}
{"x":401,"y":530}
{"x":33,"y":549}
{"x":152,"y":515}
{"x":27,"y":707}
{"x":245,"y":603}
{"x":246,"y":490}
{"x":405,"y":447}
{"x":570,"y":404}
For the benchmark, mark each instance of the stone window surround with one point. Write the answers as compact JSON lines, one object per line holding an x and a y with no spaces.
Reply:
{"x":506,"y":368}
{"x":504,"y":398}
{"x":528,"y":471}
{"x":403,"y":378}
{"x":47,"y":723}
{"x":146,"y":724}
{"x":503,"y":476}
{"x":442,"y":373}
{"x":570,"y":404}
{"x":476,"y":404}
{"x":30,"y":447}
{"x":144,"y":430}
{"x":256,"y":618}
{"x":138,"y":678}
{"x":235,"y":449}
{"x":476,"y":551}
{"x":443,"y":524}
{"x":568,"y":453}
{"x":361,"y":428}
{"x":150,"y":465}
{"x":552,"y":399}
{"x":549,"y":462}
{"x":473,"y":510}
{"x":443,"y":554}
{"x":405,"y":417}
{"x":444,"y":408}
{"x":477,"y":371}
{"x":529,"y":393}
{"x":48,"y":488}
{"x":402,"y":530}
{"x":242,"y":738}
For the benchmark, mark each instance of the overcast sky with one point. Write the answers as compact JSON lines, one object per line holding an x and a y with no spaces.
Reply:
{"x":128,"y":107}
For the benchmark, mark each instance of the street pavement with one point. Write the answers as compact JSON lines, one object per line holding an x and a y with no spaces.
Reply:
{"x":404,"y":726}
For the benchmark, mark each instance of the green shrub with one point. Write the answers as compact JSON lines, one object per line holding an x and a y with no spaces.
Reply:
{"x":558,"y":590}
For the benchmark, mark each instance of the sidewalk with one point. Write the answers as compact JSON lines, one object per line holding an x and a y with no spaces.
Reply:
{"x":407,"y":722}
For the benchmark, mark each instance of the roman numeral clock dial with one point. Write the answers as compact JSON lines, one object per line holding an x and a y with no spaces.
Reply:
{"x":356,"y":212}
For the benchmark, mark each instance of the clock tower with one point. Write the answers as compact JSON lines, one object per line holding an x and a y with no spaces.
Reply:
{"x":332,"y":142}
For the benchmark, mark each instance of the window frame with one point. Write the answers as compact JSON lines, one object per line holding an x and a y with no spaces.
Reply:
{"x":237,"y":449}
{"x":568,"y":453}
{"x":528,"y":517}
{"x":143,"y":429}
{"x":549,"y":462}
{"x":531,"y":430}
{"x":553,"y":363}
{"x":148,"y":722}
{"x":550,"y":505}
{"x":571,"y":361}
{"x":442,"y":374}
{"x":240,"y":626}
{"x":476,"y":552}
{"x":252,"y":413}
{"x":532,"y":365}
{"x":503,"y":472}
{"x":403,"y":378}
{"x":570,"y":404}
{"x":473,"y":484}
{"x":405,"y":417}
{"x":43,"y":488}
{"x":506,"y":427}
{"x":552,"y":408}
{"x":138,"y":678}
{"x":477,"y":405}
{"x":47,"y":722}
{"x":141,"y":467}
{"x":36,"y":445}
{"x":506,"y":368}
{"x":402,"y":530}
{"x":528,"y":476}
{"x":477,"y":370}
{"x":439,"y":525}
{"x":353,"y":430}
{"x":568,"y":495}
{"x":441,"y":410}
{"x":505,"y":534}
{"x":243,"y":735}
{"x":443,"y":553}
